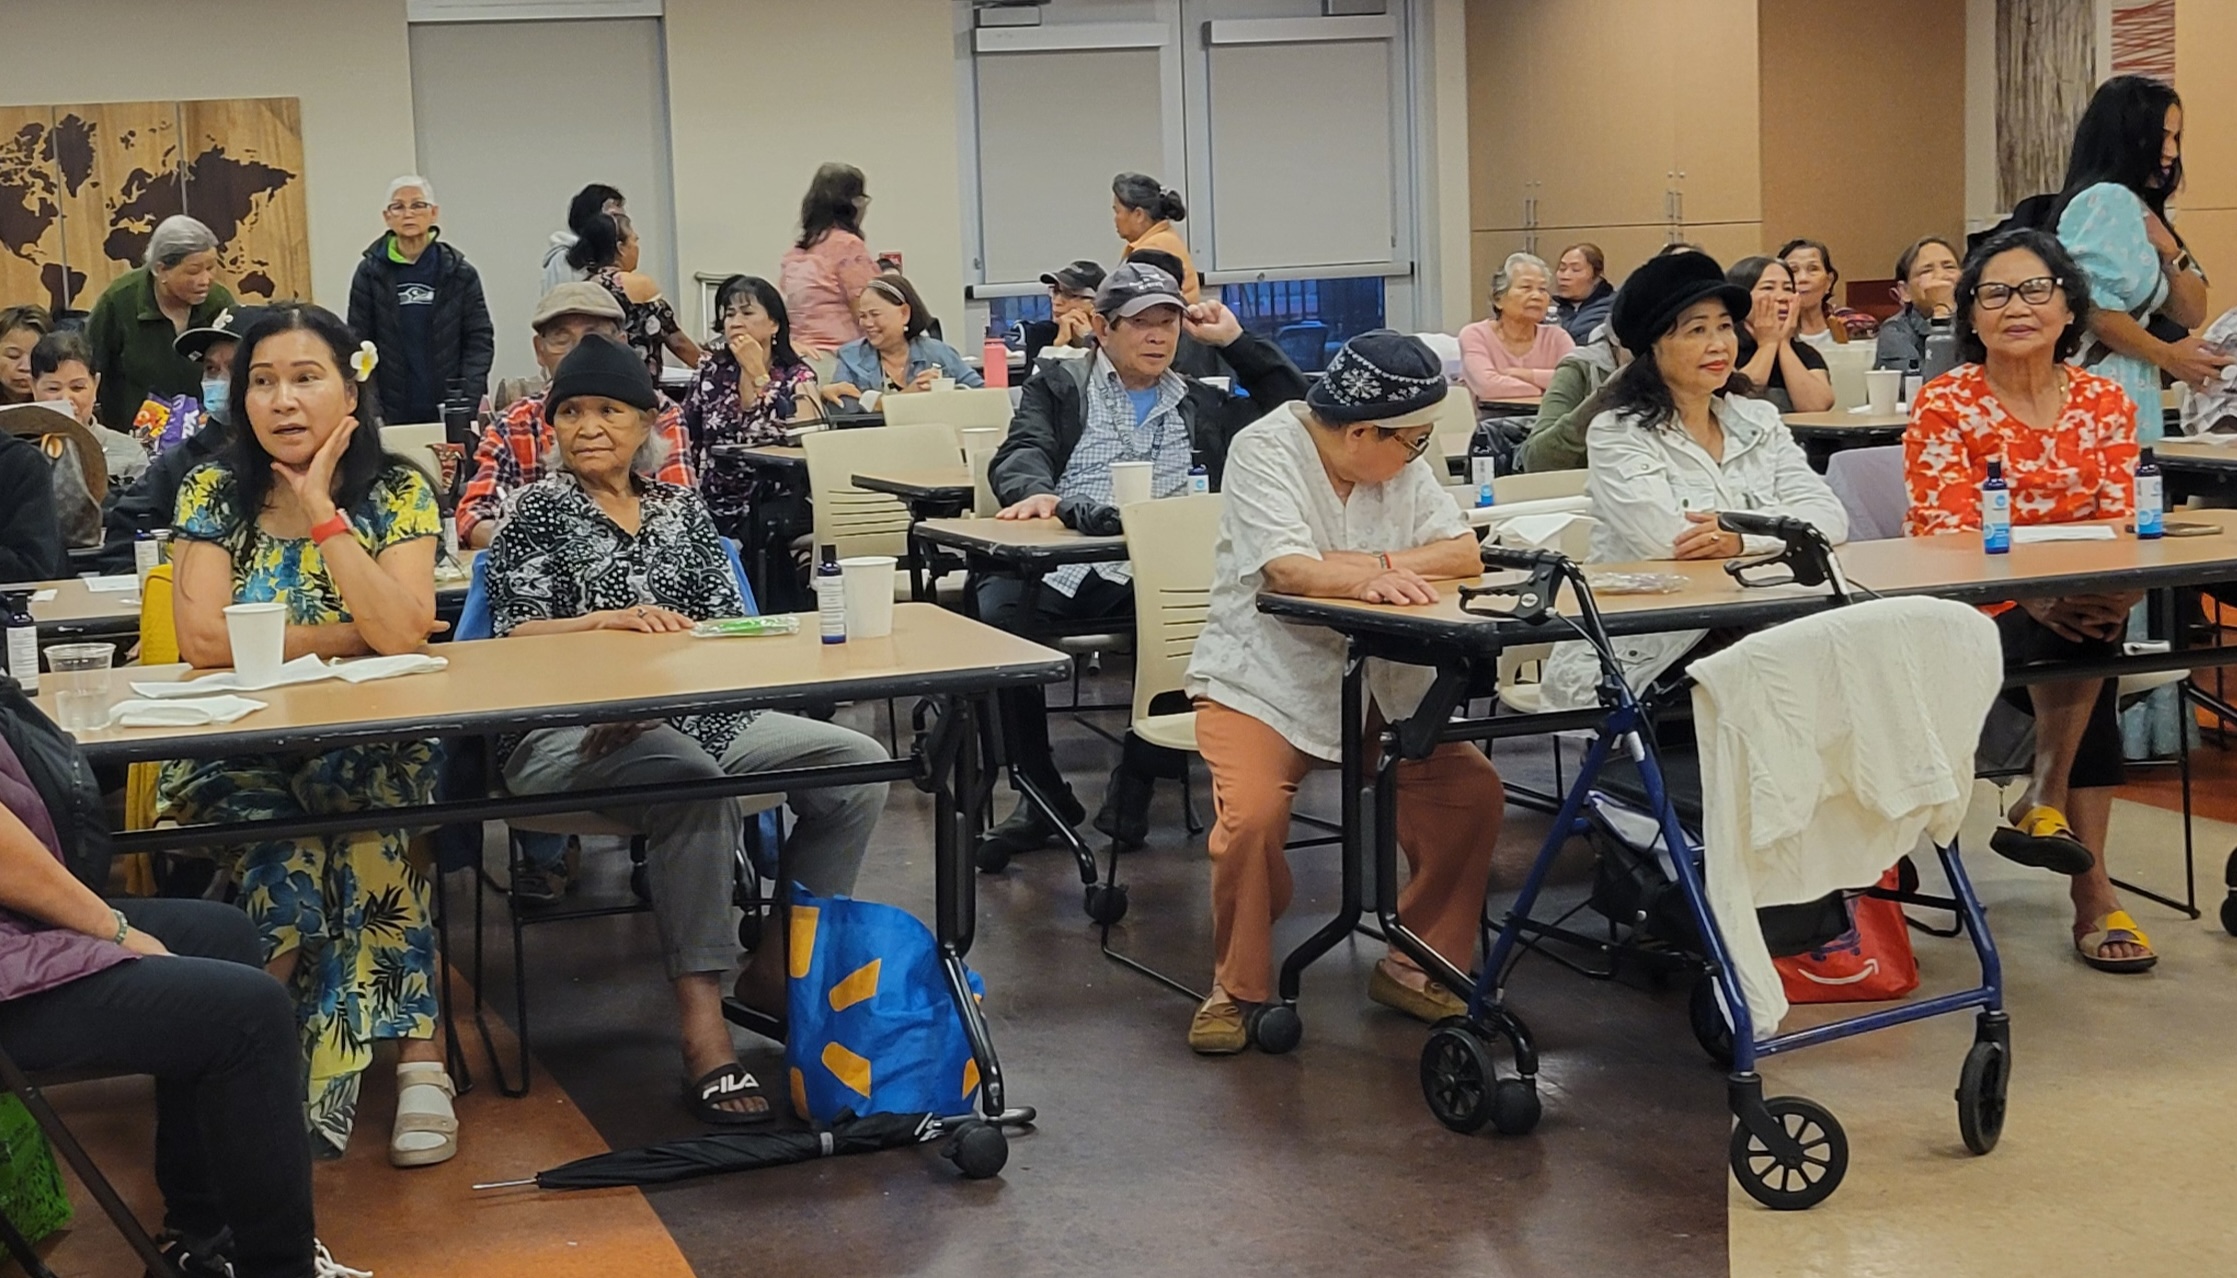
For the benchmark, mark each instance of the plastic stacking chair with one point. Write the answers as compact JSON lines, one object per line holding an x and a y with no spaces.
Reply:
{"x":1456,"y":423}
{"x":963,"y":409}
{"x":1538,"y":485}
{"x":866,"y":523}
{"x":12,"y":1243}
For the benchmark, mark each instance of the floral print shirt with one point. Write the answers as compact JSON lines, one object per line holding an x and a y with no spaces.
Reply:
{"x":561,"y":557}
{"x":400,"y":508}
{"x":2082,"y":468}
{"x":644,"y":325}
{"x":713,"y":414}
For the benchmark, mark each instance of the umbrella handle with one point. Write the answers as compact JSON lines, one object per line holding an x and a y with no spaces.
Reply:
{"x":506,"y":1184}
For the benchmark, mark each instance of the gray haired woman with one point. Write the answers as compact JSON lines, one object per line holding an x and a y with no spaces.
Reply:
{"x":136,"y":324}
{"x":597,"y":546}
{"x":1512,"y":354}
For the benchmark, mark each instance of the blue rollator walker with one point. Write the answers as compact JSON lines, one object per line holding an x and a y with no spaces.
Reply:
{"x":1788,"y":1152}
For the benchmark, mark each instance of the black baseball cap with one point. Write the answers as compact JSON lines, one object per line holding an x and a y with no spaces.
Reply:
{"x":1082,"y":276}
{"x":230,"y":323}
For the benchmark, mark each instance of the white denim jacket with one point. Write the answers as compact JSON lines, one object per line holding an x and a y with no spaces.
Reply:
{"x":1644,"y":478}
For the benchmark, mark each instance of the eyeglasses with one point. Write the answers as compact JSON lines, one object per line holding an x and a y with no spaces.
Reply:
{"x":416,"y":206}
{"x":1414,"y":447}
{"x":2034,"y":292}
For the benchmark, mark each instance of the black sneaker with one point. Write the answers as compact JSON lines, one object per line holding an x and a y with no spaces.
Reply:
{"x":197,"y":1257}
{"x":535,"y":884}
{"x":1125,"y":814}
{"x":1026,"y":830}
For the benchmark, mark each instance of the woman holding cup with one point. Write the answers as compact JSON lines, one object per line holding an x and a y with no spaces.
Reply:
{"x":895,"y":354}
{"x":306,"y":539}
{"x":596,"y":545}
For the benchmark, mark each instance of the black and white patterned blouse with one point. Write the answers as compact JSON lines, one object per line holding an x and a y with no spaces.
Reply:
{"x":561,"y":557}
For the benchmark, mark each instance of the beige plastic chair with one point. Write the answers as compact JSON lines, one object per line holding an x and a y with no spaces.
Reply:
{"x":956,"y":409}
{"x":866,"y":523}
{"x":1171,"y":542}
{"x":1456,"y":423}
{"x":1847,"y":363}
{"x":1538,"y":485}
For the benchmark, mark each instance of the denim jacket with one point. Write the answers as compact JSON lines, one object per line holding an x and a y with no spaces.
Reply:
{"x":858,"y":363}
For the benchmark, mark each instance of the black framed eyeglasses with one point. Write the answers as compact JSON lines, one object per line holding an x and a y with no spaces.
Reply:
{"x":1414,"y":447}
{"x":2034,"y":292}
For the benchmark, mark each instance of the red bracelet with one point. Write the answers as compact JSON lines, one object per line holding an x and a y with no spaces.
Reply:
{"x":336,"y":525}
{"x":1385,"y":557}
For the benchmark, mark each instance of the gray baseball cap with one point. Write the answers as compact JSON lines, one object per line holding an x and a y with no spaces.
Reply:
{"x":1132,"y":288}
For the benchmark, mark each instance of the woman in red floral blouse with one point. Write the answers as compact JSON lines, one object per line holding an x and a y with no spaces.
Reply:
{"x":2067,"y":439}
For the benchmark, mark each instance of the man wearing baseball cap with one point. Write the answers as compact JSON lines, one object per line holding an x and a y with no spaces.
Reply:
{"x":152,"y":499}
{"x":1332,"y":498}
{"x":1074,"y":419}
{"x":511,"y":453}
{"x":1070,"y":329}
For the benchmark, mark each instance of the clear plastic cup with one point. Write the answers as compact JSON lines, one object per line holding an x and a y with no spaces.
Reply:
{"x":79,"y":673}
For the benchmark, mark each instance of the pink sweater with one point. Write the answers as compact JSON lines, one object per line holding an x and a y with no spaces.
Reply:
{"x":1489,"y":370}
{"x":819,"y":286}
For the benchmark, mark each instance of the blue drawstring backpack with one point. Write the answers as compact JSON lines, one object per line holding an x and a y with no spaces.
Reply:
{"x":873,"y":1028}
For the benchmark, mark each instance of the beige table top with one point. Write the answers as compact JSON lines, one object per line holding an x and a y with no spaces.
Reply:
{"x":2198,"y":452}
{"x":1952,"y":566}
{"x":1045,"y":541}
{"x":513,"y":684}
{"x":76,"y":608}
{"x":1841,"y":418}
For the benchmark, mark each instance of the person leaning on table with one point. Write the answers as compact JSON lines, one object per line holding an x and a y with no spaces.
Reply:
{"x":308,"y":511}
{"x":2067,"y":439}
{"x":1679,"y":439}
{"x":596,"y":545}
{"x":1332,"y":498}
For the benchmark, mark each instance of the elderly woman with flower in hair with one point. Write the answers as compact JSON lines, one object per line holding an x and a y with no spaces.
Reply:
{"x":307,"y":511}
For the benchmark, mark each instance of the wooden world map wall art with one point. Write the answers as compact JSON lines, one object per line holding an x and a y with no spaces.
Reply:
{"x":82,"y":188}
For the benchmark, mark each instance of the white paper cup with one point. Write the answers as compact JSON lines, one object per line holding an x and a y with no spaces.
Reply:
{"x":258,"y":633}
{"x":943,"y":383}
{"x":79,"y":674}
{"x":1130,"y":482}
{"x":869,"y":581}
{"x":1882,"y":387}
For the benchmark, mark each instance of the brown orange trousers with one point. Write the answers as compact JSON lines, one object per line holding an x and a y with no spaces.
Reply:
{"x":1449,"y":810}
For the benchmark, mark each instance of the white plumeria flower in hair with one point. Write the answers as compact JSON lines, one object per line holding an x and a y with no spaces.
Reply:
{"x":364,"y":360}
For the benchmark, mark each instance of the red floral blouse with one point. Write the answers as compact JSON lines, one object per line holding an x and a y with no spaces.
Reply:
{"x":2083,"y":468}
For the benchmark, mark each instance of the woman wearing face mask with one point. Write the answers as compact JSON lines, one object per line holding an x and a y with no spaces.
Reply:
{"x":151,"y":501}
{"x":748,"y":388}
{"x":306,"y":510}
{"x":135,"y":327}
{"x":894,"y":355}
{"x":1785,"y":370}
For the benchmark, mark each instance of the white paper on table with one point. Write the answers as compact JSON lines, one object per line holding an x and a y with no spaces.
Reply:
{"x":304,"y":669}
{"x":2062,"y":532}
{"x":1534,"y":532}
{"x":182,"y":714}
{"x":367,"y":669}
{"x":113,"y":585}
{"x":42,"y":596}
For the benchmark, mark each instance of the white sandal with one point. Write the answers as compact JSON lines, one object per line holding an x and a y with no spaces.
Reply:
{"x":423,"y":1110}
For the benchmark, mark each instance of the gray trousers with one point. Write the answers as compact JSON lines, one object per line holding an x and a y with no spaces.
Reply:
{"x":690,"y":847}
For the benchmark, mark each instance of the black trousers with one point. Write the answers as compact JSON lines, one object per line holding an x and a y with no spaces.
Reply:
{"x":219,"y":1036}
{"x":2099,"y":761}
{"x":1025,"y":711}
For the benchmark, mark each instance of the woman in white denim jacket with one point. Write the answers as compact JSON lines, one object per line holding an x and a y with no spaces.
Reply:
{"x":1676,"y":446}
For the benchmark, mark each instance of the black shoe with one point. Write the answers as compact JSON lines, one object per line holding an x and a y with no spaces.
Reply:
{"x":1125,"y":815}
{"x":1026,"y":830}
{"x":198,"y":1258}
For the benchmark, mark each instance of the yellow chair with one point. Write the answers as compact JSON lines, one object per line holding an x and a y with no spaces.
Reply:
{"x":159,"y":646}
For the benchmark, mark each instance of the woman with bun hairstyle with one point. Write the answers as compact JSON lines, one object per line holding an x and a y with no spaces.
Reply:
{"x":1144,"y":210}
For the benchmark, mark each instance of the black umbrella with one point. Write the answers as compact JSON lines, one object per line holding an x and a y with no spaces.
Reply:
{"x":977,"y":1147}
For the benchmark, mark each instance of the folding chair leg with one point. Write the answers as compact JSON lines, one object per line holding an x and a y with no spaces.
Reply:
{"x":1189,"y":818}
{"x":112,"y":1204}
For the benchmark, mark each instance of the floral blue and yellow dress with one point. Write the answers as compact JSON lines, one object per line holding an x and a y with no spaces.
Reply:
{"x":352,"y":904}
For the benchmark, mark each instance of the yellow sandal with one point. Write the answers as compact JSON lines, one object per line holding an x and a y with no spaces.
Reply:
{"x":2113,"y":928}
{"x":2042,"y":839}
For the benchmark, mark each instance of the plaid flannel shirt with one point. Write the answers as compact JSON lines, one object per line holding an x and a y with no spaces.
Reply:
{"x":511,"y":457}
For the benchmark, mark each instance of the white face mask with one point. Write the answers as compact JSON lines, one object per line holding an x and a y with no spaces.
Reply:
{"x":214,"y":393}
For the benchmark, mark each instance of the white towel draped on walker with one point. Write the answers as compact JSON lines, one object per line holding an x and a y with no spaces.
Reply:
{"x":1827,"y":746}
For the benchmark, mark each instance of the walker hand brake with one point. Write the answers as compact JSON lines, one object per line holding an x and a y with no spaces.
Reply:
{"x":1805,"y":558}
{"x":1533,"y":596}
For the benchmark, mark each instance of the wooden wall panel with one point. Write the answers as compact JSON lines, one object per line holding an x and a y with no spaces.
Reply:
{"x":30,"y":205}
{"x":2045,"y":59}
{"x":82,"y":187}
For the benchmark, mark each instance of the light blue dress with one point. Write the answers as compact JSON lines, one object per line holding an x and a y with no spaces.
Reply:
{"x":2103,"y":227}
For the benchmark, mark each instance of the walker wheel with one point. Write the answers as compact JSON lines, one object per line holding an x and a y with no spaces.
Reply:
{"x":1457,"y":1077}
{"x":1705,"y":1009}
{"x":749,"y":929}
{"x":640,"y":884}
{"x":978,"y":1149}
{"x":1515,"y":1108}
{"x":1106,"y":902}
{"x":2229,"y":914}
{"x":1811,"y":1175}
{"x":1981,"y":1088}
{"x":1277,"y":1029}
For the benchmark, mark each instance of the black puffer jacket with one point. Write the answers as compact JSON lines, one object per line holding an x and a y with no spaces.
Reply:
{"x":464,"y":341}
